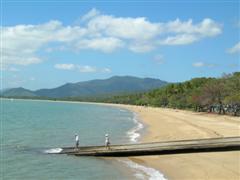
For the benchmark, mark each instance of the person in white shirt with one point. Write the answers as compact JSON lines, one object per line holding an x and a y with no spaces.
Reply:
{"x":107,"y":142}
{"x":76,"y":141}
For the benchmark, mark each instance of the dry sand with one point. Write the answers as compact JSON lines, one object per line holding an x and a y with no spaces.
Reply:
{"x":168,"y":124}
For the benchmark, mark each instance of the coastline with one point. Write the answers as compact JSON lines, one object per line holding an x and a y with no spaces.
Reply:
{"x":140,"y":170}
{"x":162,"y":124}
{"x":169,"y":124}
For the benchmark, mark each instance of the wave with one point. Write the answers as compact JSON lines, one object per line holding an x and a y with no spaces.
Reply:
{"x":134,"y":134}
{"x":53,"y":151}
{"x":123,"y":110}
{"x":143,"y":172}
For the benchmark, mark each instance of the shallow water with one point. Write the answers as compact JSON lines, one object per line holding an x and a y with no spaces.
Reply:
{"x":30,"y":129}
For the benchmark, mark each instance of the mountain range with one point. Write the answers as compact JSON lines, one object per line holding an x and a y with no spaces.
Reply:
{"x":112,"y":86}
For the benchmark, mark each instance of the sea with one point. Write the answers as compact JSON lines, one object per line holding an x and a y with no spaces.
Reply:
{"x":32,"y":131}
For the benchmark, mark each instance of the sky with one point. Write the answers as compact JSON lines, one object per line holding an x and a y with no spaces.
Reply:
{"x":45,"y":44}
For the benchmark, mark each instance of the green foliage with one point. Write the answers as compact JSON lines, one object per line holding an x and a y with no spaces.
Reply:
{"x":221,"y":95}
{"x":200,"y":94}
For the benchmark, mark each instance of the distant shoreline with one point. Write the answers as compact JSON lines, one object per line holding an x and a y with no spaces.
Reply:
{"x":172,"y":124}
{"x":114,"y":104}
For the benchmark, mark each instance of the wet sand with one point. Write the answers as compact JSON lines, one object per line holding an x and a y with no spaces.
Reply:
{"x":168,"y":124}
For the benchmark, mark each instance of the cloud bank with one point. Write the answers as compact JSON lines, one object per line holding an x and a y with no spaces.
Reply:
{"x":96,"y":31}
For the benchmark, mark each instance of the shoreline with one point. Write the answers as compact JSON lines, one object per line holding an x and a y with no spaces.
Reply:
{"x":135,"y":134}
{"x":171,"y":124}
{"x":162,"y":124}
{"x":138,"y":170}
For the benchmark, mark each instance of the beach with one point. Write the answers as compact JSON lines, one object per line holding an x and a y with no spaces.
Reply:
{"x":162,"y":124}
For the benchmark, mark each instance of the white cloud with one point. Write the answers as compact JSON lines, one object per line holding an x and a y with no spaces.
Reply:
{"x":58,"y":48}
{"x":103,"y":44}
{"x":181,"y":39}
{"x":65,"y":66}
{"x":143,"y":33}
{"x":187,"y":33}
{"x":86,"y":69}
{"x":92,"y":13}
{"x":106,"y":33}
{"x":126,"y":28}
{"x":141,"y":47}
{"x":21,"y":43}
{"x":205,"y":28}
{"x":202,"y":64}
{"x":234,"y":49}
{"x":82,"y":69}
{"x":106,"y":70}
{"x":198,"y":64}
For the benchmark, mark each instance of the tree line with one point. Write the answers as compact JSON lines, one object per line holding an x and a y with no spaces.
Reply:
{"x":216,"y":95}
{"x":219,"y":95}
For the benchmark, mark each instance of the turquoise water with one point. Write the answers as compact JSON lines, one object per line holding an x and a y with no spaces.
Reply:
{"x":28,"y":128}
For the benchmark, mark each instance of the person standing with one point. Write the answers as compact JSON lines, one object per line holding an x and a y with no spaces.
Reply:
{"x":76,"y":141}
{"x":107,"y":142}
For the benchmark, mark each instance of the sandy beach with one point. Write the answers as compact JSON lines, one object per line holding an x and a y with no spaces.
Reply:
{"x":168,"y":124}
{"x":162,"y":124}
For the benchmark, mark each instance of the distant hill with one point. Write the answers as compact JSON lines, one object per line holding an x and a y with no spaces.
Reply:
{"x":217,"y":95}
{"x":21,"y":92}
{"x":114,"y":85}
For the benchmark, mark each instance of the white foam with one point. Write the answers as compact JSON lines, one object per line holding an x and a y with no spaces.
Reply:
{"x":53,"y":151}
{"x":143,"y":172}
{"x":123,"y":110}
{"x":134,"y":132}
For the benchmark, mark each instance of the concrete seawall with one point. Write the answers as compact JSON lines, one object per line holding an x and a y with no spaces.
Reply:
{"x":159,"y":148}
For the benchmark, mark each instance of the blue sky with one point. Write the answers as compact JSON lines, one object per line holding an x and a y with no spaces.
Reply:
{"x":46,"y":44}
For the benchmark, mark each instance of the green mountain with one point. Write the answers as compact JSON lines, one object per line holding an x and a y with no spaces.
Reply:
{"x":21,"y":92}
{"x":111,"y":86}
{"x":220,"y":95}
